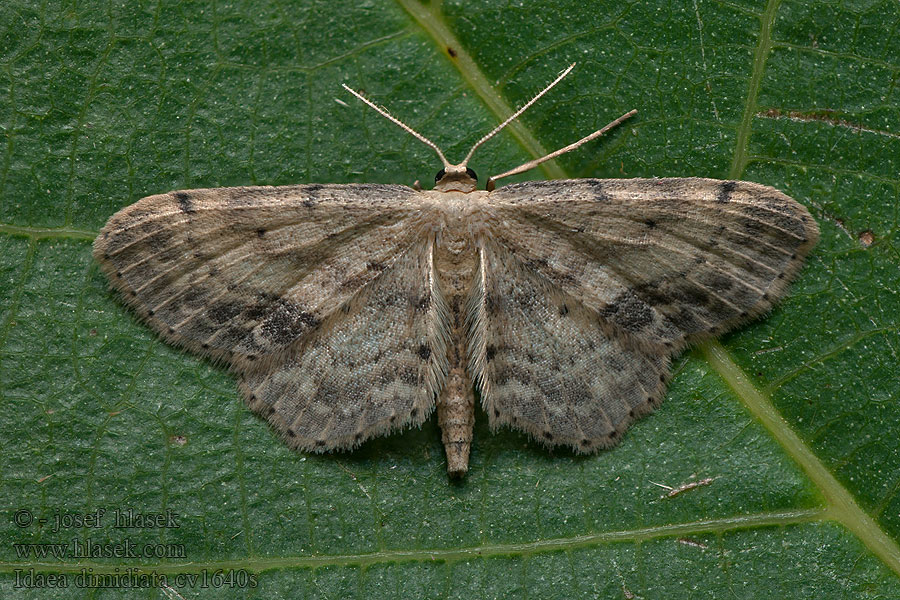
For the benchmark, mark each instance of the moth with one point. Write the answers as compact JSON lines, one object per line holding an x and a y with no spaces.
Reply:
{"x":348,"y":311}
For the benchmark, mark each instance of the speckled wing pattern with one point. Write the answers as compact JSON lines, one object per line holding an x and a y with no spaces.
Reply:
{"x":587,"y":288}
{"x":325,"y":299}
{"x":321,"y":297}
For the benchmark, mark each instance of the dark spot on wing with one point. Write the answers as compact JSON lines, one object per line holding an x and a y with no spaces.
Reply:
{"x":185,"y":203}
{"x":628,"y":311}
{"x":224,"y":311}
{"x":258,"y":311}
{"x":599,"y":190}
{"x":311,"y":192}
{"x":422,"y":304}
{"x":725,"y":191}
{"x":286,"y":322}
{"x":490,"y":351}
{"x":260,"y":232}
{"x":424,"y":351}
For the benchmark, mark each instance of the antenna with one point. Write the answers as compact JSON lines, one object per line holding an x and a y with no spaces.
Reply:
{"x":533,"y":163}
{"x":384,"y":113}
{"x":461,"y":167}
{"x":512,"y":117}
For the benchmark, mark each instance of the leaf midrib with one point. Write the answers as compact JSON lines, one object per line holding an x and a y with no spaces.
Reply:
{"x":840,"y":504}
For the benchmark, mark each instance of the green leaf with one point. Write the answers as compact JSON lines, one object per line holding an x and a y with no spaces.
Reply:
{"x":791,"y":424}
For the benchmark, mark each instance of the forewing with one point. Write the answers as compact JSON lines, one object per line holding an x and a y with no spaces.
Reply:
{"x":661,"y":261}
{"x":321,"y":296}
{"x":239,"y":273}
{"x":589,"y":286}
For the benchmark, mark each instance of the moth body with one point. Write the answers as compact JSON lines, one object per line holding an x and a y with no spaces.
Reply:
{"x":352,"y":310}
{"x":455,"y":263}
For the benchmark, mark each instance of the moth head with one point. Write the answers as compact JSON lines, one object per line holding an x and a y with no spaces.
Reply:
{"x":456,"y":178}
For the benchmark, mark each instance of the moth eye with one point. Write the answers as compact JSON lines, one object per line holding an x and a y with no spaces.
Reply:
{"x":471,"y":174}
{"x":439,"y":176}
